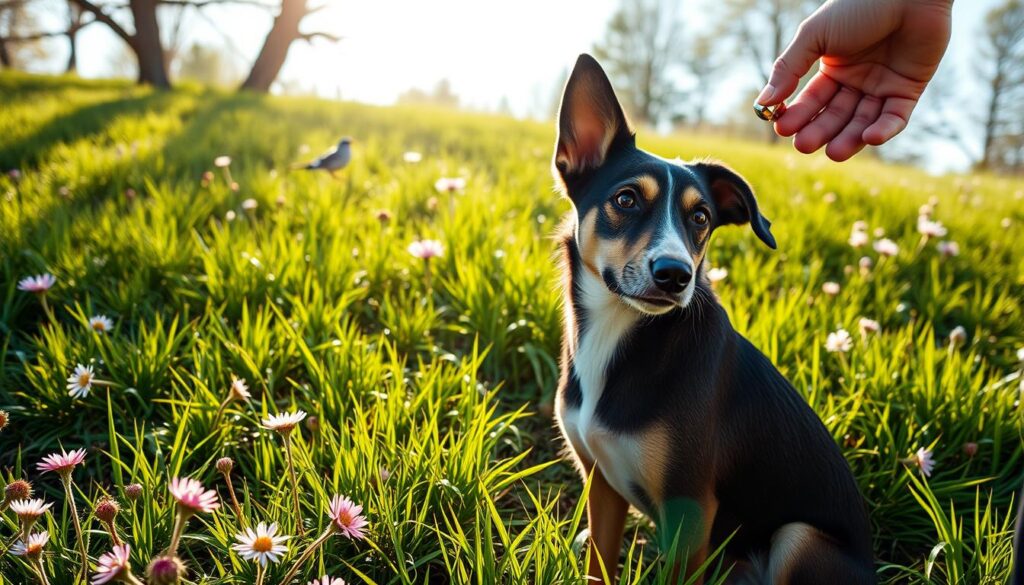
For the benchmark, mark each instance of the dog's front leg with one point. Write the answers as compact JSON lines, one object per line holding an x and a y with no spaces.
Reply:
{"x":606,"y":513}
{"x":685,"y":529}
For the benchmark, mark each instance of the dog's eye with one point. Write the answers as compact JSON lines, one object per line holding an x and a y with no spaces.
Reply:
{"x":699,"y":217}
{"x":626,"y":199}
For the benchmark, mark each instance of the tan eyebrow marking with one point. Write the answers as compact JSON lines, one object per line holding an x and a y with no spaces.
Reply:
{"x":648,"y":187}
{"x":691,"y":197}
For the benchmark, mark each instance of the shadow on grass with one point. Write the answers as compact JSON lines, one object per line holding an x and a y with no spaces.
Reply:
{"x":78,"y":124}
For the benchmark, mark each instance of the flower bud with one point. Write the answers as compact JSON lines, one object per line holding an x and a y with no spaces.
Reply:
{"x":313,"y":424}
{"x":18,"y":489}
{"x":165,"y":571}
{"x":107,"y":509}
{"x":225,"y":464}
{"x":958,"y":336}
{"x":133,"y":491}
{"x":970,"y":449}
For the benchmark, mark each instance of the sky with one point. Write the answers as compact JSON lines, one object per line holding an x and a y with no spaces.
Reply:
{"x":517,"y":52}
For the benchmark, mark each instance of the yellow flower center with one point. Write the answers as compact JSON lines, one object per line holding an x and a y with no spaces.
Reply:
{"x":262,"y":544}
{"x":99,"y":326}
{"x":34,"y":550}
{"x":84,"y":379}
{"x":345,"y":518}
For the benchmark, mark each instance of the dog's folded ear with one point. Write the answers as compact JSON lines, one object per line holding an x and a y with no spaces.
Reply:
{"x":590,"y":121}
{"x":734,"y":200}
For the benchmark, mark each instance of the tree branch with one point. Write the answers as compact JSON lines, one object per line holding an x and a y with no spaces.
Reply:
{"x":105,"y":18}
{"x":308,"y":37}
{"x":204,"y":3}
{"x":47,"y":34}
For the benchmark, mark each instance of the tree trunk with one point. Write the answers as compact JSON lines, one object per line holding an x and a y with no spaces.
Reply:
{"x":147,"y":45}
{"x":74,"y":23}
{"x":5,"y":55}
{"x":275,"y":48}
{"x":990,"y":123}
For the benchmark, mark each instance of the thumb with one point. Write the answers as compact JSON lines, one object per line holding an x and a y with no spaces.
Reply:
{"x":793,"y":63}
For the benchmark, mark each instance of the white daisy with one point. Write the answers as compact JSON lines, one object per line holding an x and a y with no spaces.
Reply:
{"x":929,"y":228}
{"x":31,"y":548}
{"x":839,"y":341}
{"x":830,"y":288}
{"x":29,"y":510}
{"x":412,"y":157}
{"x":100,"y":323}
{"x":285,"y":422}
{"x":80,"y":381}
{"x":239,"y":389}
{"x":858,"y":238}
{"x":263,"y":545}
{"x":326,"y":580}
{"x":868,"y":326}
{"x":886,"y":247}
{"x":925,"y":461}
{"x":717,"y":274}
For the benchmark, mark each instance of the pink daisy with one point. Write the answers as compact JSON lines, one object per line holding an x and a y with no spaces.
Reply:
{"x":62,"y":462}
{"x":37,"y":284}
{"x":450,"y":184}
{"x":112,"y":564}
{"x":192,"y":496}
{"x":426,"y":249}
{"x":347,"y":517}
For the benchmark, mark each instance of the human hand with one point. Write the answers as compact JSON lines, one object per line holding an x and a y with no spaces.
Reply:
{"x":877,"y":56}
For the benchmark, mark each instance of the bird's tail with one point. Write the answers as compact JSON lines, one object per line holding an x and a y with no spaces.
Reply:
{"x":303,"y":166}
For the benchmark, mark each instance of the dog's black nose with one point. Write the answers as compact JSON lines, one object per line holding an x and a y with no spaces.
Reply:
{"x":671,"y":275}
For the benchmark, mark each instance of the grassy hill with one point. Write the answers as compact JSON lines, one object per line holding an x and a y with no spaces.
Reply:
{"x":433,"y":395}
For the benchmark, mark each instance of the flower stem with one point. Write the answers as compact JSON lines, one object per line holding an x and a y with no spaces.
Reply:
{"x":234,"y":501}
{"x":78,"y":526}
{"x":260,"y":573}
{"x":113,"y":533}
{"x":131,"y":579}
{"x":41,"y":570}
{"x":305,"y":556}
{"x":295,"y":484}
{"x":220,"y":412}
{"x":179,"y":527}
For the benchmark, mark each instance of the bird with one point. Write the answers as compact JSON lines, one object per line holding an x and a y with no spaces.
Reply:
{"x":333,"y":160}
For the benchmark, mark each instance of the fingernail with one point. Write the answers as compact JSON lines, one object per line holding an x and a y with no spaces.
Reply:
{"x":766,"y":94}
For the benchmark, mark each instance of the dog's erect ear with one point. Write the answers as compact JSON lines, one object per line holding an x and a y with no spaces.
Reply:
{"x":734,"y":200}
{"x":590,"y":121}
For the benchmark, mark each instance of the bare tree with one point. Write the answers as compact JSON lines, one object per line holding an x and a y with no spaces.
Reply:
{"x":75,"y":23}
{"x":761,"y":28}
{"x":283,"y":33}
{"x":703,"y":64}
{"x":20,"y":41}
{"x":643,"y":53}
{"x":1001,"y":65}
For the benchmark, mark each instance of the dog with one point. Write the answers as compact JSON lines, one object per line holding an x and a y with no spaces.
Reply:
{"x":664,"y":406}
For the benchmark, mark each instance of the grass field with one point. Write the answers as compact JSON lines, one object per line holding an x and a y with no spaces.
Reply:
{"x":432,"y":394}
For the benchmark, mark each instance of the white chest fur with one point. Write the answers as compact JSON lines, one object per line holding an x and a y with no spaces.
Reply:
{"x":608,"y":323}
